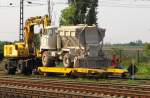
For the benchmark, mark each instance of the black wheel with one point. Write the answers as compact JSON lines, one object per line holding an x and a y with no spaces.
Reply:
{"x":76,"y":62}
{"x":21,"y":67}
{"x":104,"y":75}
{"x":28,"y":70}
{"x":12,"y":71}
{"x":124,"y":75}
{"x":9,"y":68}
{"x":67,"y":60}
{"x":47,"y":60}
{"x":29,"y":66}
{"x":25,"y":67}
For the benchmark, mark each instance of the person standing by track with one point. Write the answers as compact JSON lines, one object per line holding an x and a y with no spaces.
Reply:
{"x":132,"y":69}
{"x":114,"y":61}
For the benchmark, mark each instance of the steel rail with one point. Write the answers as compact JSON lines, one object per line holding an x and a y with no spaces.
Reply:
{"x":88,"y":89}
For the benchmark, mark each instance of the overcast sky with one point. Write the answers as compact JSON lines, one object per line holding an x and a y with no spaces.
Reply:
{"x":124,"y":20}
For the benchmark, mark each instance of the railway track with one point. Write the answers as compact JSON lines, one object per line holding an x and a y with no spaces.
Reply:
{"x":69,"y":89}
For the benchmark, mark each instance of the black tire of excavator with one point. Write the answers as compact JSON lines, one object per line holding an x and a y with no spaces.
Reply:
{"x":28,"y":67}
{"x":21,"y":67}
{"x":24,"y":67}
{"x":47,"y":60}
{"x":8,"y":69}
{"x":28,"y":70}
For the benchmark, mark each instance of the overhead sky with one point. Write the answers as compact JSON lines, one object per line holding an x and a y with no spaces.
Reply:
{"x":124,"y":20}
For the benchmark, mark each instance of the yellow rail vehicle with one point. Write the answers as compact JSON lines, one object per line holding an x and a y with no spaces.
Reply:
{"x":15,"y":50}
{"x":84,"y":71}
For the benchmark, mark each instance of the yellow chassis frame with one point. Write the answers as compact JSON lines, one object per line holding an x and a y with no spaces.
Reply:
{"x":61,"y":70}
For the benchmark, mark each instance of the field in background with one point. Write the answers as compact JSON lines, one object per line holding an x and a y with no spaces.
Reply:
{"x":127,"y":54}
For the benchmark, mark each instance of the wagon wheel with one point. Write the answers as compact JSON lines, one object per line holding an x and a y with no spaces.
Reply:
{"x":76,"y":62}
{"x":67,"y":60}
{"x":47,"y":60}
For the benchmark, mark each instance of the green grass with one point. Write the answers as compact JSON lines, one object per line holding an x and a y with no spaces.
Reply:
{"x":130,"y":82}
{"x":144,"y":68}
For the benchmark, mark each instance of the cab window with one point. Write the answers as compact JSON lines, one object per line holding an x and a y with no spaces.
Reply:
{"x":50,"y":32}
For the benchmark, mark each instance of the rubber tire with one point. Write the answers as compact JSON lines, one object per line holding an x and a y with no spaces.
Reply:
{"x":8,"y":70}
{"x":28,"y":67}
{"x":123,"y":75}
{"x":67,"y":61}
{"x":47,"y":60}
{"x":28,"y":70}
{"x":76,"y":62}
{"x":24,"y":67}
{"x":21,"y":67}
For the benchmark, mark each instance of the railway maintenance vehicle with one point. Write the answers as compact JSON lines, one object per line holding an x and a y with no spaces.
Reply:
{"x":78,"y":47}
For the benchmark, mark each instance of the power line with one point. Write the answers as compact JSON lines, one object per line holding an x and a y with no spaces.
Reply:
{"x":104,"y":3}
{"x":126,"y":0}
{"x":26,"y":3}
{"x":124,"y":6}
{"x":114,"y":4}
{"x":127,"y":5}
{"x":29,"y":4}
{"x":37,"y":0}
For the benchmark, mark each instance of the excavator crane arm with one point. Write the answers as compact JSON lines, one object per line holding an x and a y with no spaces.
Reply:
{"x":21,"y":56}
{"x":29,"y":32}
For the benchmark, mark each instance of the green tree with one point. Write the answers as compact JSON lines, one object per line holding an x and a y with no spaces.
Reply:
{"x":79,"y":12}
{"x":139,"y":42}
{"x":132,"y":43}
{"x":67,"y":17}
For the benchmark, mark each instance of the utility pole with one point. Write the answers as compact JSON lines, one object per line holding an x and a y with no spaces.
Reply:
{"x":21,"y":35}
{"x":49,"y":8}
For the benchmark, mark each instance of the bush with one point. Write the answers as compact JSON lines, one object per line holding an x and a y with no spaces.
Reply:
{"x":144,"y":68}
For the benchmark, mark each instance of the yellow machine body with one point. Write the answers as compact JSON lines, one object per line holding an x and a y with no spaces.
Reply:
{"x":18,"y":50}
{"x":15,"y":50}
{"x":26,"y":48}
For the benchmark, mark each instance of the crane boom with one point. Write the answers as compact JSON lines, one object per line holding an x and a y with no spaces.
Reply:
{"x":22,"y":56}
{"x":29,"y":31}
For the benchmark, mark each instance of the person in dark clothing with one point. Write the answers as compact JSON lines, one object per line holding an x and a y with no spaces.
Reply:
{"x":132,"y":69}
